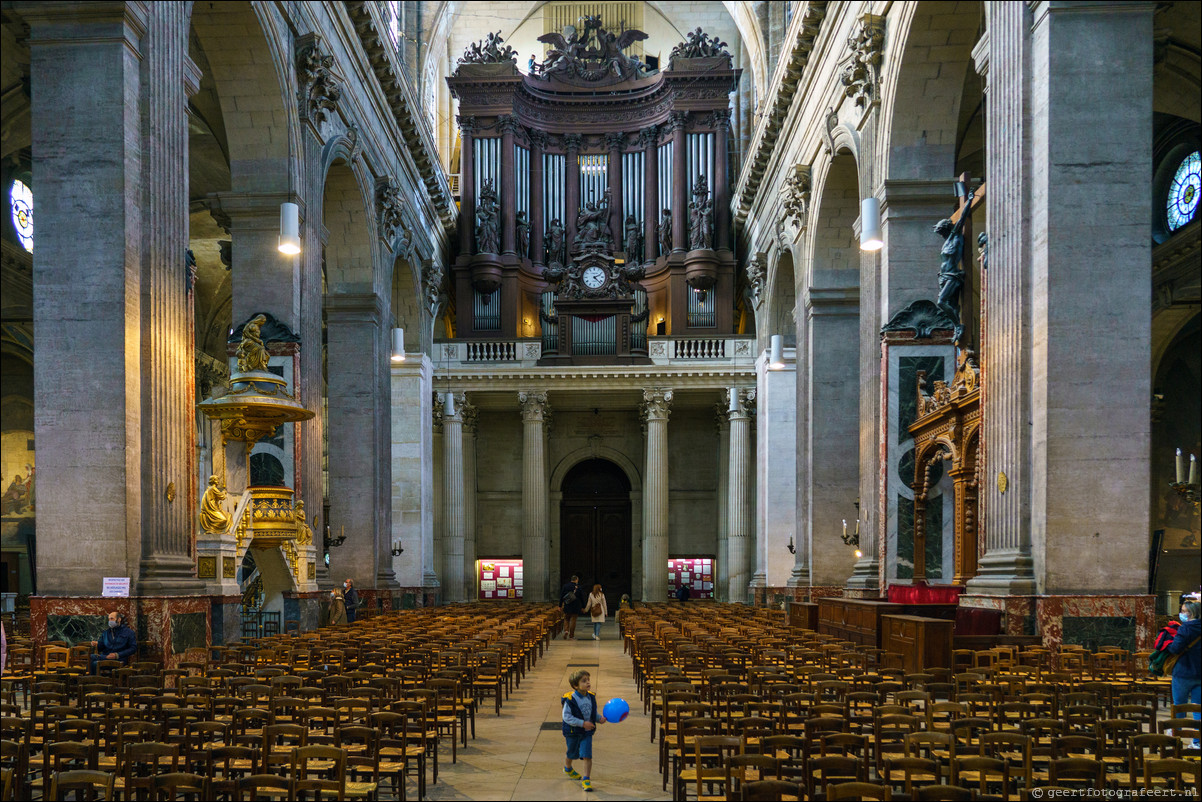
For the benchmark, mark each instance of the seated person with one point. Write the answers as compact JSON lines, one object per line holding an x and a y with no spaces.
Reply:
{"x":118,"y":642}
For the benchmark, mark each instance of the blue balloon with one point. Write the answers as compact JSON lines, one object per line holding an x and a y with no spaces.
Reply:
{"x":615,"y":710}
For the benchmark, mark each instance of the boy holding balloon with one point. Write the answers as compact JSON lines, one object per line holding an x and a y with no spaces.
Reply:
{"x":580,"y":719}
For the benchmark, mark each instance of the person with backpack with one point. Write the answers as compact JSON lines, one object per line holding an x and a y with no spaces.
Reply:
{"x":1187,"y":649}
{"x":569,"y":602}
{"x":581,"y":715}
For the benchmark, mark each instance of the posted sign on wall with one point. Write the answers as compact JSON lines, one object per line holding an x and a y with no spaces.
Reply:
{"x":696,"y":572}
{"x":498,"y":579}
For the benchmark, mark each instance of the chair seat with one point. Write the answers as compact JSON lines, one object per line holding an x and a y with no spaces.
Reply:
{"x":360,"y":788}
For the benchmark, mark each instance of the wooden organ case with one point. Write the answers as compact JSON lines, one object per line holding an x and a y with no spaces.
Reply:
{"x":594,"y":195}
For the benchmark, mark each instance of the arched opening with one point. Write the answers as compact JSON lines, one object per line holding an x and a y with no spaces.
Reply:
{"x":594,"y":528}
{"x":783,"y":301}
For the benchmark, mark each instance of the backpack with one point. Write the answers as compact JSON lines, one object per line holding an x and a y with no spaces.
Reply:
{"x":1161,"y":663}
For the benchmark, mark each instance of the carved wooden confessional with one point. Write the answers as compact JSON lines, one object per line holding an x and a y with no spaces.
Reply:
{"x":595,"y":194}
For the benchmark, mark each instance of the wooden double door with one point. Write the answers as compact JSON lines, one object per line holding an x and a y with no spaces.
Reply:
{"x":594,"y":543}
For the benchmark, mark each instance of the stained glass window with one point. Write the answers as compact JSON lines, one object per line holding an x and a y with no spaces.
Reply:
{"x":21,"y":199}
{"x":1183,"y":192}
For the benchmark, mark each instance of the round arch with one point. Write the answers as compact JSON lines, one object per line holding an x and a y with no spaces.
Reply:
{"x":571,"y":459}
{"x":921,"y":96}
{"x":779,"y":316}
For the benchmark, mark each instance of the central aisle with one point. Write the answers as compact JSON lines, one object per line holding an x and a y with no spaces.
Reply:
{"x":515,"y":757}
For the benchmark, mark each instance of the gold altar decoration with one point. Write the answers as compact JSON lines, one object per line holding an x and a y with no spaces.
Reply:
{"x":290,"y":553}
{"x":272,"y":519}
{"x":948,"y":428}
{"x":258,"y":401}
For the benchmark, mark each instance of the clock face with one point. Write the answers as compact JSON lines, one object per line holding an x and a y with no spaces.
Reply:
{"x":593,"y":277}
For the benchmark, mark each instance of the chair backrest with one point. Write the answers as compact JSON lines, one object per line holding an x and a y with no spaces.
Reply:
{"x":330,"y":777}
{"x":1084,"y":769}
{"x":90,"y":785}
{"x":771,"y":790}
{"x":858,"y":790}
{"x":943,"y":793}
{"x":269,"y":785}
{"x":175,"y":784}
{"x":1174,"y":768}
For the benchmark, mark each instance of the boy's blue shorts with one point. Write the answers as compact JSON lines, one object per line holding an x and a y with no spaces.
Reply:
{"x":580,"y":747}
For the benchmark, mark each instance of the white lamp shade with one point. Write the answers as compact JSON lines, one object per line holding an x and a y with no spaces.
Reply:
{"x":398,"y":345}
{"x":289,"y":229}
{"x":448,"y":404}
{"x":776,"y":352}
{"x":734,"y":399}
{"x":870,"y":225}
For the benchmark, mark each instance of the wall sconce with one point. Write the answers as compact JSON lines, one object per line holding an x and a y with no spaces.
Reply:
{"x":1187,"y":488}
{"x":853,"y":539}
{"x":398,"y":345}
{"x":870,"y":225}
{"x":397,"y":549}
{"x":776,"y":352}
{"x":289,"y":229}
{"x":792,"y":549}
{"x":335,"y":542}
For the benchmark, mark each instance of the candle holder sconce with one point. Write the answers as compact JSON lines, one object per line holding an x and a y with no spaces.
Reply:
{"x":1186,"y":488}
{"x":792,"y":549}
{"x":397,"y":549}
{"x":335,"y":542}
{"x":853,"y":538}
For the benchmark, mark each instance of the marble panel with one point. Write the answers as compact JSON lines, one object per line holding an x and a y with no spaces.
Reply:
{"x":75,"y":629}
{"x":188,"y":631}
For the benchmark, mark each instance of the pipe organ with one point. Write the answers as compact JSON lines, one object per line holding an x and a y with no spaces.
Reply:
{"x":595,"y":190}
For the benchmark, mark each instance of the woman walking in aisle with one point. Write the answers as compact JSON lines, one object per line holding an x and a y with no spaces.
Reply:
{"x":597,"y":610}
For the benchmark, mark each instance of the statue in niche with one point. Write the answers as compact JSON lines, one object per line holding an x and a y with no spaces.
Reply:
{"x":951,"y":276}
{"x":522,"y":231}
{"x":487,"y":230}
{"x":592,"y":225}
{"x":634,"y":240}
{"x":252,"y":353}
{"x":554,"y":246}
{"x":304,"y":535}
{"x":213,"y":517}
{"x":701,"y":227}
{"x":664,"y":232}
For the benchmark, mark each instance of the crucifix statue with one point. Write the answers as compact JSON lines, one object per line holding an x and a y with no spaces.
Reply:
{"x":956,"y":230}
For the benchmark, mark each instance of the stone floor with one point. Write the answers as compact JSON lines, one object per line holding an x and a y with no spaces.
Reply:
{"x":514,"y":757}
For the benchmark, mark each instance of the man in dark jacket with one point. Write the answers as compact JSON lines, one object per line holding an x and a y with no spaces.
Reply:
{"x":350,"y":597}
{"x":118,"y":642}
{"x":683,"y":592}
{"x":1187,"y":673}
{"x":569,"y":602}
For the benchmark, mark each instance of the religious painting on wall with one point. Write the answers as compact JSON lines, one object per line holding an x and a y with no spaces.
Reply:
{"x":498,"y":579}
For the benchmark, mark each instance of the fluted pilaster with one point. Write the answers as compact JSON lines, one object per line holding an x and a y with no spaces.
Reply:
{"x":471,"y":417}
{"x":534,"y":495}
{"x":656,"y":409}
{"x":452,"y":500}
{"x":739,"y":529}
{"x":721,"y":572}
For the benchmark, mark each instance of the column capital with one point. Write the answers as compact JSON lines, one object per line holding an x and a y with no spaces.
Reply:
{"x":649,"y":137}
{"x":534,"y":405}
{"x":721,"y":422}
{"x":742,"y":405}
{"x":129,"y":22}
{"x":571,"y":142}
{"x":656,"y":404}
{"x":354,"y":306}
{"x":258,"y":210}
{"x":615,"y":140}
{"x":470,"y":414}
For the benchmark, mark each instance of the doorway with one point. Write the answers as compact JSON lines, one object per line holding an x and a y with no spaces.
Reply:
{"x":594,"y":529}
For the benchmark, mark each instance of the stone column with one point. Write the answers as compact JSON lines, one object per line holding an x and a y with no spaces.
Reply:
{"x":720,"y":568}
{"x":507,"y":125}
{"x":167,"y":425}
{"x":1087,"y":258}
{"x":355,"y":336}
{"x":656,"y":403}
{"x":739,"y":527}
{"x":649,"y":142}
{"x":534,"y":496}
{"x":721,"y":188}
{"x":776,"y":475}
{"x":438,"y":481}
{"x":413,"y":471}
{"x":467,"y":185}
{"x":95,"y":439}
{"x":571,"y":206}
{"x":452,"y":501}
{"x":680,"y":182}
{"x":830,"y":465}
{"x":471,"y":418}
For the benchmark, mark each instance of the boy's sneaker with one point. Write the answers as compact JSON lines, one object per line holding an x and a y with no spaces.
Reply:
{"x":586,"y":785}
{"x":571,"y":774}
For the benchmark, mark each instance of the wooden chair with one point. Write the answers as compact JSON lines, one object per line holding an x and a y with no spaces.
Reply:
{"x":264,"y":787}
{"x":182,"y":785}
{"x":908,"y":773}
{"x":319,"y":769}
{"x":1177,"y":770}
{"x":745,"y":768}
{"x":1085,"y":772}
{"x":142,"y":762}
{"x":771,"y":791}
{"x":943,"y":793}
{"x":859,"y":791}
{"x":362,"y":747}
{"x":86,"y":784}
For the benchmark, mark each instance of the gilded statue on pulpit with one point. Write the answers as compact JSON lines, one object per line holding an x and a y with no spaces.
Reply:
{"x":252,"y":353}
{"x":304,"y":534}
{"x":213,"y":517}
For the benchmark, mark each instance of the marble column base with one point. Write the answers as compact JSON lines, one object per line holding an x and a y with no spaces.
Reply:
{"x":1009,"y":572}
{"x":864,"y":582}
